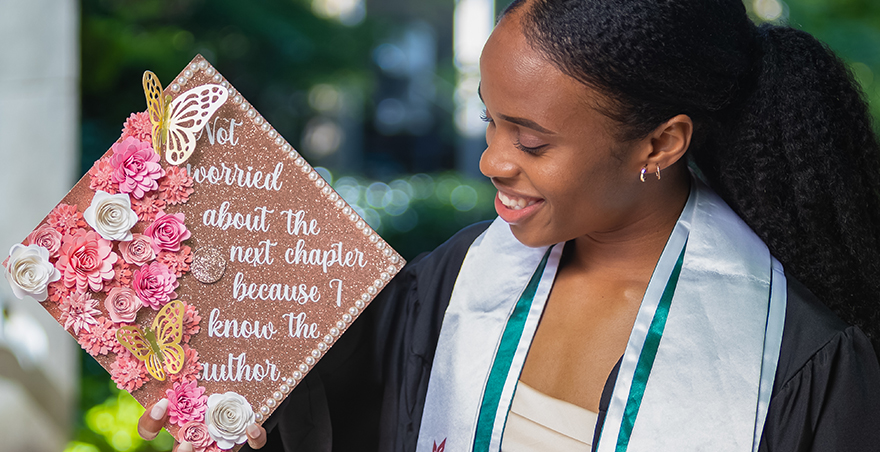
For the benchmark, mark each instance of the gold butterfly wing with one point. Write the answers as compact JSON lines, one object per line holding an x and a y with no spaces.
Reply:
{"x":133,"y":339}
{"x":168,"y":326}
{"x":156,"y":107}
{"x":187,"y":116}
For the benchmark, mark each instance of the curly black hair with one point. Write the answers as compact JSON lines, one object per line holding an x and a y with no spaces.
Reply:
{"x":781,"y":130}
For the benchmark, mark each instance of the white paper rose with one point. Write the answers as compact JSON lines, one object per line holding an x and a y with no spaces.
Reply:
{"x":111,"y":215}
{"x":29,"y":271}
{"x":227,"y":417}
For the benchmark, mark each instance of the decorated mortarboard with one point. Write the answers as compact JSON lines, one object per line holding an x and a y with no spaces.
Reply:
{"x":203,"y":260}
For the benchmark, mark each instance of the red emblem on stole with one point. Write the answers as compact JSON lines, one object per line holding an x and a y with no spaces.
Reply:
{"x":439,"y":448}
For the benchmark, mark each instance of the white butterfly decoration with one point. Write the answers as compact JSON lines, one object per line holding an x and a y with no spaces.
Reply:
{"x":177,"y":123}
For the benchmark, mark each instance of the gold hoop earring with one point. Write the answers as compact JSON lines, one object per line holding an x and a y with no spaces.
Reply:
{"x":658,"y":172}
{"x":642,"y":173}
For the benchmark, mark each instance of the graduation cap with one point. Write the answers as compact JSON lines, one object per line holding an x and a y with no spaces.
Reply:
{"x":203,"y":259}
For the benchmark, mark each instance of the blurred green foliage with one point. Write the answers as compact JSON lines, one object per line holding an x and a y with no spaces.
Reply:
{"x":274,"y":51}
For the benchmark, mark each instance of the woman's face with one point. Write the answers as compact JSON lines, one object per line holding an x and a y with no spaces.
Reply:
{"x":559,"y":171}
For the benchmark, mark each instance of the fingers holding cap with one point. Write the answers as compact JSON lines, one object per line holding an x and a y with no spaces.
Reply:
{"x":153,"y":419}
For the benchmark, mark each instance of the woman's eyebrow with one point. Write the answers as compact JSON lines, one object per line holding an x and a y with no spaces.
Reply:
{"x":520,"y":121}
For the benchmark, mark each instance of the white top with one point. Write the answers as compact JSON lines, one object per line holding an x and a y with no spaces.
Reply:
{"x":538,"y":422}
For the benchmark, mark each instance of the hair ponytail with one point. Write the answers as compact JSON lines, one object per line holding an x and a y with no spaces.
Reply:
{"x":801,"y":167}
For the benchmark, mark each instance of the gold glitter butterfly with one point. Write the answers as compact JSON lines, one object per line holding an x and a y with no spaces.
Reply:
{"x":159,"y":348}
{"x":177,"y":123}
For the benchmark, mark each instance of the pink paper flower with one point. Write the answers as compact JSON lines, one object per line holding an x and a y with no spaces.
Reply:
{"x":196,"y":433}
{"x":122,"y":304}
{"x":65,"y":218}
{"x":176,"y":186}
{"x":86,"y":260}
{"x":128,"y":372}
{"x":58,"y":292}
{"x":186,"y":402}
{"x":100,"y":177}
{"x":191,"y":319}
{"x":138,"y":251}
{"x":154,"y":285}
{"x":135,"y":167}
{"x":177,"y":262}
{"x":78,"y":312}
{"x":147,"y":207}
{"x":192,"y":368}
{"x":121,"y":276}
{"x":167,"y":232}
{"x":47,"y":237}
{"x":100,"y":339}
{"x":138,"y":126}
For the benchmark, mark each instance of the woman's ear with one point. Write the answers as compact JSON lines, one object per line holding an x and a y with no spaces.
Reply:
{"x":668,"y":143}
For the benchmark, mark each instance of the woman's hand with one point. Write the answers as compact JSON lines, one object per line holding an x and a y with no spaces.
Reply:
{"x":152,"y":421}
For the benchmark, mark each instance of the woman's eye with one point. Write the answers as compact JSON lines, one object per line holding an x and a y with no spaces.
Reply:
{"x":485,"y":116}
{"x":527,"y":149}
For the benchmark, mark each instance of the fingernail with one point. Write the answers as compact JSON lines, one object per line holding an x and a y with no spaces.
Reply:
{"x":159,"y":409}
{"x":253,"y":431}
{"x":185,"y":446}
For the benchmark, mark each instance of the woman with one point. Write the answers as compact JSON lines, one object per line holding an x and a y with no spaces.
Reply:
{"x":669,"y":326}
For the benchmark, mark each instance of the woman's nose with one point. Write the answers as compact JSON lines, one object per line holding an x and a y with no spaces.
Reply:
{"x":497,"y":161}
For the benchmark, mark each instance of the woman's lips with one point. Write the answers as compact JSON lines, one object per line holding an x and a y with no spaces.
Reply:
{"x":514,"y":209}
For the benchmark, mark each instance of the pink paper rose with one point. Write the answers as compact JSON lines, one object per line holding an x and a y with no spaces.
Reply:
{"x":47,"y":237}
{"x":122,"y":304}
{"x":186,"y":402}
{"x":197,"y":434}
{"x":154,"y":284}
{"x":86,"y":260}
{"x":137,"y":251}
{"x":135,"y":167}
{"x":167,"y":232}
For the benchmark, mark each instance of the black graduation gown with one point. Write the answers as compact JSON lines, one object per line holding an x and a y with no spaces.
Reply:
{"x":368,"y":392}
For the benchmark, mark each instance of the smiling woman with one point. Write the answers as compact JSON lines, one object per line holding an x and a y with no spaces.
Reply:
{"x":608,"y":309}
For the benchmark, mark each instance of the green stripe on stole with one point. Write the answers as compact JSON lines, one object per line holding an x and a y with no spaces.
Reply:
{"x":503,"y":358}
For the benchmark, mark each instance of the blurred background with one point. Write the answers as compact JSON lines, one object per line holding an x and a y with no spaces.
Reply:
{"x":380,"y":95}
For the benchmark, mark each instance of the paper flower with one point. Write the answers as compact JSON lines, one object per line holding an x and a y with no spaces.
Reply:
{"x":176,"y":186}
{"x":227,"y":418}
{"x":148,"y":206}
{"x":58,"y":291}
{"x":121,"y":276}
{"x":138,"y":251}
{"x":86,"y":260}
{"x":197,"y":434}
{"x":111,"y":215}
{"x":128,"y":372}
{"x":29,"y":271}
{"x":135,"y":167}
{"x":154,"y":285}
{"x":100,"y":177}
{"x":65,"y":219}
{"x":177,"y":262}
{"x":138,"y":126}
{"x":122,"y":304}
{"x":47,"y":237}
{"x":100,"y":339}
{"x":186,"y":402}
{"x":78,"y":312}
{"x":191,"y":319}
{"x":167,"y":231}
{"x":192,"y":368}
